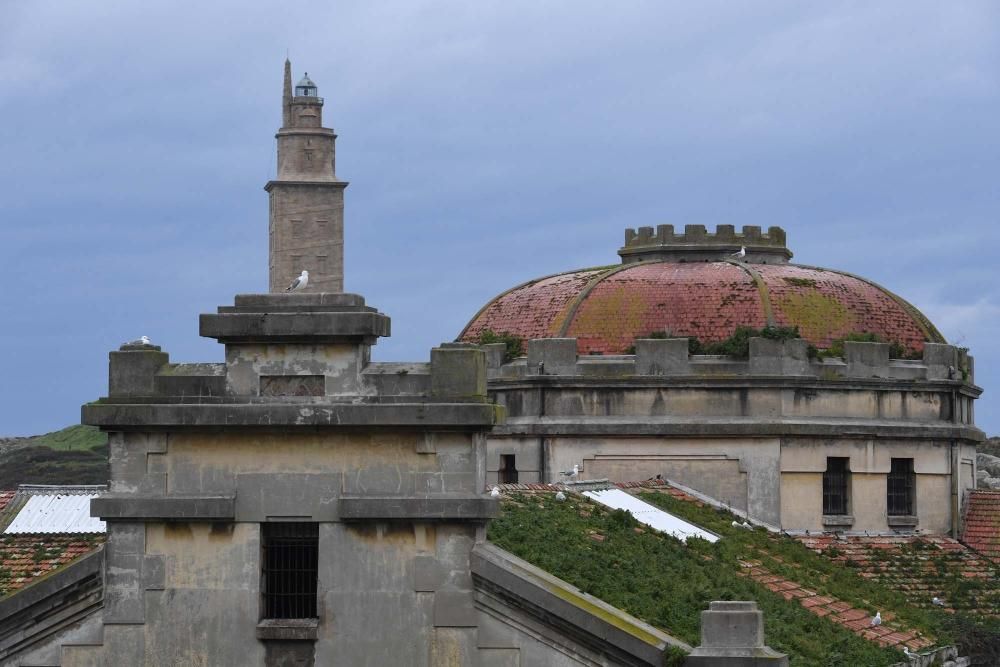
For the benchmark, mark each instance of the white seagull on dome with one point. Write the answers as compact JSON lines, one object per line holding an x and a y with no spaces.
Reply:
{"x":572,"y":474}
{"x":299,"y":282}
{"x":741,"y":253}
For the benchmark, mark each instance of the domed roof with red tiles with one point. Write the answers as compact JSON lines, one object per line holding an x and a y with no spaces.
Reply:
{"x":607,"y":308}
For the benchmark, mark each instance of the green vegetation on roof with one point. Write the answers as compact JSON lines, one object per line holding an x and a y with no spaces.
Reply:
{"x":667,"y":584}
{"x":663,"y":582}
{"x":514,"y":343}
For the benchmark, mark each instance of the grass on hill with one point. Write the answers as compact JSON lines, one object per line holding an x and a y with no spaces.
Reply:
{"x":73,"y":438}
{"x":74,"y":455}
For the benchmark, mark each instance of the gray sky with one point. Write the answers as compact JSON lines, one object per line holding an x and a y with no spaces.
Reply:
{"x":486,"y":143}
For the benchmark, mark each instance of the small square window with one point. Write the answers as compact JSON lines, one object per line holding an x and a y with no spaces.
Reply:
{"x":289,"y":569}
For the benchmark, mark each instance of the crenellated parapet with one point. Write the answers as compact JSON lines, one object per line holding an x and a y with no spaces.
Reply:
{"x":697,"y":244}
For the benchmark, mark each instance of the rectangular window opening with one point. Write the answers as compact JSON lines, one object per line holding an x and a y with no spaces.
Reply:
{"x":900,"y":488}
{"x":508,"y":470}
{"x":835,"y":485}
{"x":288,"y":580}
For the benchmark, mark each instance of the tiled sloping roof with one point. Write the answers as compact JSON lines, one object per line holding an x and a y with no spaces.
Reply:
{"x":606,"y":309}
{"x":5,"y":498}
{"x":982,"y":523}
{"x":25,"y":559}
{"x":858,"y":621}
{"x":921,"y":567}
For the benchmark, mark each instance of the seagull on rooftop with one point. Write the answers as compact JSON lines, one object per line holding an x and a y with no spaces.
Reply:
{"x":299,"y":282}
{"x":877,"y":619}
{"x":572,"y":474}
{"x":741,"y":253}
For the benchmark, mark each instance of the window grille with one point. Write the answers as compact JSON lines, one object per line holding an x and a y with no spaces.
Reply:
{"x":291,"y":553}
{"x":835,"y":481}
{"x":900,"y":487}
{"x":508,"y":471}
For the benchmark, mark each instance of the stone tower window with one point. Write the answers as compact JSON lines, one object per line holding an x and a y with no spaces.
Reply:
{"x":835,"y":485}
{"x":288,"y":580}
{"x":900,"y":487}
{"x":508,"y":469}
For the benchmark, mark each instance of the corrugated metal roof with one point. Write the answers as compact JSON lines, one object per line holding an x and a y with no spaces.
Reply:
{"x":54,"y":510}
{"x":649,"y":515}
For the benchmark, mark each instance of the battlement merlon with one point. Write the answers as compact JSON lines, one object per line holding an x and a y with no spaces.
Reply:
{"x":697,"y":244}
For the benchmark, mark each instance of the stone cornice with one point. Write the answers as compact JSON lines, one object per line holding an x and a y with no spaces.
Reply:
{"x":122,"y":416}
{"x":735,"y":427}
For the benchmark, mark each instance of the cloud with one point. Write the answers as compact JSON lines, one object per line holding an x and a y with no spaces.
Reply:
{"x":486,"y":143}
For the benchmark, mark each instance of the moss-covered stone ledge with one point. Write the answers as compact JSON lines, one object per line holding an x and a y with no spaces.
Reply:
{"x":115,"y":415}
{"x":592,"y":622}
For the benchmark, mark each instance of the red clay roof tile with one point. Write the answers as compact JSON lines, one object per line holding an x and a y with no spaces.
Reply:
{"x":607,"y":308}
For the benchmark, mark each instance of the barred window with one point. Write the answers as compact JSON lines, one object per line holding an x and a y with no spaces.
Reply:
{"x":288,"y":582}
{"x":900,"y":487}
{"x":835,"y":485}
{"x":508,"y":471}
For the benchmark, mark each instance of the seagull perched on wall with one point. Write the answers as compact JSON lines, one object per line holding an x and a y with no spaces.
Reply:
{"x":141,"y":340}
{"x":299,"y":282}
{"x":877,"y":619}
{"x":572,"y":474}
{"x":495,"y":493}
{"x":741,"y":253}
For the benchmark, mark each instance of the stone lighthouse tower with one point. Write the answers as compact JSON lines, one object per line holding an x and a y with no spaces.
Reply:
{"x":307,"y":200}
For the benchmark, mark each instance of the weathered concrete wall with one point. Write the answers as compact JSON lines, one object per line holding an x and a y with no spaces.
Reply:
{"x":803,"y":463}
{"x":737,"y":472}
{"x":303,"y":475}
{"x":340,"y":367}
{"x":703,"y":421}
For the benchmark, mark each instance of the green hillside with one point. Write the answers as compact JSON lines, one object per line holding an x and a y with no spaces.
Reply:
{"x":74,"y":455}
